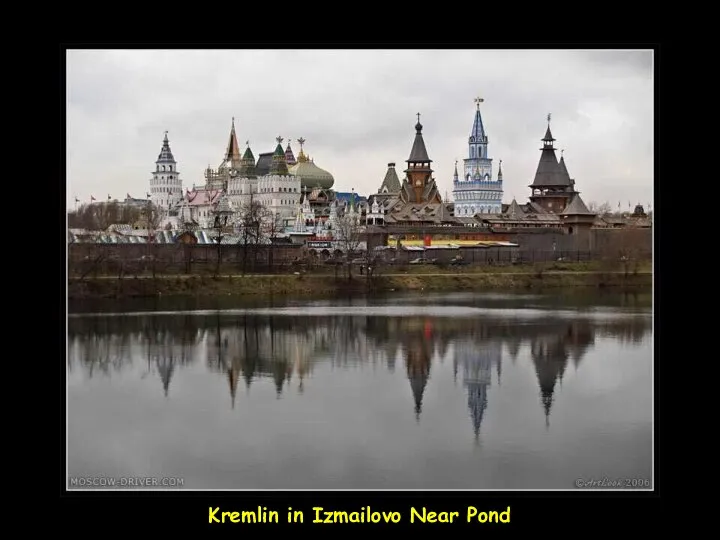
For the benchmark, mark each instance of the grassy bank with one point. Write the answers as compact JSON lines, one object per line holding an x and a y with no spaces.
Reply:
{"x":425,"y":278}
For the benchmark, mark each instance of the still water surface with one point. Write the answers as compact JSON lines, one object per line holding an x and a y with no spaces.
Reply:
{"x":486,"y":391}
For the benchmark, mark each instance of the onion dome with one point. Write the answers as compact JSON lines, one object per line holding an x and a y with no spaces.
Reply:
{"x":311,"y":176}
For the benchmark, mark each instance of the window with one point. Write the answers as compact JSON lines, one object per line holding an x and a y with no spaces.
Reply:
{"x":163,"y":167}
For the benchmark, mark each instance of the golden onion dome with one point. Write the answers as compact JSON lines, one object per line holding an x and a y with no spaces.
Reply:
{"x":311,"y":176}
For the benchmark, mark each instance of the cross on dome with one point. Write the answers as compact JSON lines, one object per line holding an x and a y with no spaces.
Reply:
{"x":279,"y":139}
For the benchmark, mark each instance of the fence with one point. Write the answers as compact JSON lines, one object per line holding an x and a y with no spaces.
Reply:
{"x":103,"y":260}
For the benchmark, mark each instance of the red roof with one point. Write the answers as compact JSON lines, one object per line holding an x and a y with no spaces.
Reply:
{"x":202,"y":197}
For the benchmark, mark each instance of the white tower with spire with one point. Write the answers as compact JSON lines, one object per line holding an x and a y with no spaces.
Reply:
{"x":476,"y":191}
{"x":165,"y":185}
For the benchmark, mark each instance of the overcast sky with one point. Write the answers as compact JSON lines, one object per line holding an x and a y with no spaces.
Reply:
{"x":357,"y":111}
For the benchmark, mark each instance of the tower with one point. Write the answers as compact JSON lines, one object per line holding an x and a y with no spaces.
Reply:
{"x":419,"y":185}
{"x":165,"y":184}
{"x":477,"y":192}
{"x":289,"y":156}
{"x":279,"y":163}
{"x":552,"y":187}
{"x":232,"y":154}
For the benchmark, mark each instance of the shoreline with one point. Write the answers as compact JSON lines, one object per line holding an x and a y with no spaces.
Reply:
{"x":327,"y":284}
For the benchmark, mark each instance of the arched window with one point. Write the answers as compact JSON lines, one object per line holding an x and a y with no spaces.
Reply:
{"x":169,"y":167}
{"x":163,"y":167}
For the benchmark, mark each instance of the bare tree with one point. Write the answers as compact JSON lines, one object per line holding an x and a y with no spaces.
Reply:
{"x":348,"y":234}
{"x":99,"y":216}
{"x":252,"y":214}
{"x":272,"y":226}
{"x":600,"y":209}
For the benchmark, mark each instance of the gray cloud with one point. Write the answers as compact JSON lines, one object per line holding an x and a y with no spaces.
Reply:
{"x":357,"y":111}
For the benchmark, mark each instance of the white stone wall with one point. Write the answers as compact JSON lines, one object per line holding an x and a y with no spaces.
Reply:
{"x":240,"y":189}
{"x":279,"y":194}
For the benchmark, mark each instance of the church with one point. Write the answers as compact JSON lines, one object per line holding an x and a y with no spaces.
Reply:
{"x":415,"y":200}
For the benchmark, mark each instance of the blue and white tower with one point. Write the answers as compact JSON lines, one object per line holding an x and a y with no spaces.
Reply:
{"x":477,"y":192}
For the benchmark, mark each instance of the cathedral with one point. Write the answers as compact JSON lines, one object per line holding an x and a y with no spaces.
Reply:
{"x":477,"y":192}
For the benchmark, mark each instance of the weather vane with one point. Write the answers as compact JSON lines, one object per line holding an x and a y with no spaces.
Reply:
{"x":561,"y":151}
{"x":549,"y":116}
{"x":418,"y":115}
{"x":247,"y":143}
{"x":301,"y":141}
{"x":478,"y":101}
{"x":279,"y":139}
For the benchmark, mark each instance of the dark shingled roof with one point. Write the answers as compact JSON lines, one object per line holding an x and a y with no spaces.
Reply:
{"x":576,"y":208}
{"x":391,"y":181}
{"x":548,"y":171}
{"x":247,"y":164}
{"x":563,"y":174}
{"x":263,"y":164}
{"x":418,"y":152}
{"x":548,"y":135}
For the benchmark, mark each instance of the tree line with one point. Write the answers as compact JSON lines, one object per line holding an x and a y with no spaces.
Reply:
{"x":99,"y":216}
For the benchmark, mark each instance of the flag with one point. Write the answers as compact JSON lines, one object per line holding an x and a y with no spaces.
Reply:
{"x":109,"y":198}
{"x":77,"y":200}
{"x":618,"y":205}
{"x":128,"y":196}
{"x":92,"y":198}
{"x":148,"y":195}
{"x":628,"y":204}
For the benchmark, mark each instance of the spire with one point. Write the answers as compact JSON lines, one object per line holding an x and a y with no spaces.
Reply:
{"x":500,"y":171}
{"x":563,"y":174}
{"x":548,"y":171}
{"x":548,"y":138}
{"x":247,"y":164}
{"x":289,"y":156}
{"x":455,"y":176}
{"x":418,"y":154}
{"x":165,"y":152}
{"x":302,"y":158}
{"x":478,"y":130}
{"x":232,"y":155}
{"x":279,"y":164}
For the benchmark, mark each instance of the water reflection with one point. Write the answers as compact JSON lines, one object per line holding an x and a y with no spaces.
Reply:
{"x":286,"y":349}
